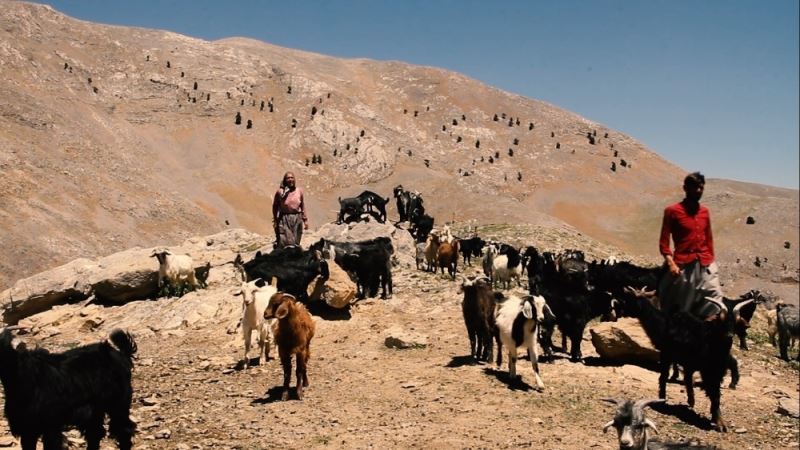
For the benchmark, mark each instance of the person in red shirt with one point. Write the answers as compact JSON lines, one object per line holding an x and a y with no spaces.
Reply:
{"x":289,"y":213}
{"x":693,"y":280}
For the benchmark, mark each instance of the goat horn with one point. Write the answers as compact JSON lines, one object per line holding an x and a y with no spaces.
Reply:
{"x":645,"y":403}
{"x":650,"y":424}
{"x":11,"y":328}
{"x":608,"y":425}
{"x":613,"y":401}
{"x":738,"y":307}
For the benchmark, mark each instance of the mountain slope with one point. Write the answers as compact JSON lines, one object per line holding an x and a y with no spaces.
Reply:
{"x":112,"y":137}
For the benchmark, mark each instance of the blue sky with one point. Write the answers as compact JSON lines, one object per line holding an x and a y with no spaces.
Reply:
{"x":710,"y":85}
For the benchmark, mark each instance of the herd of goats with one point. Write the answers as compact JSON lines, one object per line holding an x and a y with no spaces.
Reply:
{"x":47,"y":392}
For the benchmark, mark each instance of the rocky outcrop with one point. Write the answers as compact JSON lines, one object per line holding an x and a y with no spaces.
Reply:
{"x":337,"y":291}
{"x":623,"y":341}
{"x":118,"y":278}
{"x":402,"y":240}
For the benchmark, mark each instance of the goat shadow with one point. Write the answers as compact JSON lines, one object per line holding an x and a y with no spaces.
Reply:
{"x":515,"y":385}
{"x":460,"y":361}
{"x":274,"y":394}
{"x":684,"y":414}
{"x":596,"y":361}
{"x":327,"y":312}
{"x":251,"y":362}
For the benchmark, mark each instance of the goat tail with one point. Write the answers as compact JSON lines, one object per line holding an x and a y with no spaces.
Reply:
{"x":124,"y":342}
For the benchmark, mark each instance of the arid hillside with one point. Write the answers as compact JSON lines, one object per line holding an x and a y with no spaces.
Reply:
{"x":113,"y":137}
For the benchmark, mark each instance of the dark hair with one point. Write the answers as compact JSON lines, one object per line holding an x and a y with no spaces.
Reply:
{"x":694,"y":179}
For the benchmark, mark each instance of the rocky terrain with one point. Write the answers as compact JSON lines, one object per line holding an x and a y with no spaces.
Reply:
{"x":116,"y":140}
{"x":114,"y":137}
{"x":190,"y":390}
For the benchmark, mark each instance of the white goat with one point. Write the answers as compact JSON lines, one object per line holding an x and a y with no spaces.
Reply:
{"x":502,"y":273}
{"x":175,"y":268}
{"x":518,"y":321}
{"x":446,"y":235}
{"x":255,"y":298}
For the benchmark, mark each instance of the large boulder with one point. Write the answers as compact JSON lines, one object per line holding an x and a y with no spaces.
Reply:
{"x":623,"y":341}
{"x":337,"y":291}
{"x":118,"y":278}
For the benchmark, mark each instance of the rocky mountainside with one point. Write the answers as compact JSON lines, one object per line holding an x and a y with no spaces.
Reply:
{"x":113,"y":137}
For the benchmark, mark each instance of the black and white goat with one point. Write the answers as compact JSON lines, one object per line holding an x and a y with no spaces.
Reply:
{"x":633,"y":427}
{"x":48,"y":392}
{"x":518,"y":321}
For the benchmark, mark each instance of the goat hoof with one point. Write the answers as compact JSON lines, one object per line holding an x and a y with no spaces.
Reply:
{"x":720,"y":426}
{"x":285,"y":395}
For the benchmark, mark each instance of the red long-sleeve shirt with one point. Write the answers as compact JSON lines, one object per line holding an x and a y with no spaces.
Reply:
{"x":691,"y":235}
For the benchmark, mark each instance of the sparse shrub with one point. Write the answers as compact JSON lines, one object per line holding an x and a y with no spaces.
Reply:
{"x":195,"y":85}
{"x":510,"y":152}
{"x":530,"y":126}
{"x":458,"y":139}
{"x":182,"y":74}
{"x":208,"y":97}
{"x":362,"y":133}
{"x":496,"y":155}
{"x":464,"y":117}
{"x":552,"y":134}
{"x":478,"y":143}
{"x":168,"y":65}
{"x":89,"y":80}
{"x":148,"y":58}
{"x":405,"y":111}
{"x":623,"y":163}
{"x":495,"y":118}
{"x":455,"y":122}
{"x":503,"y":115}
{"x":307,"y":162}
{"x":427,"y":163}
{"x":605,"y":136}
{"x":615,"y":153}
{"x":313,"y":110}
{"x":750,"y":220}
{"x":558,"y":145}
{"x":517,"y":122}
{"x":491,"y":160}
{"x":416,"y":113}
{"x":249,"y":124}
{"x":241,"y":103}
{"x":238,"y":120}
{"x":294,"y":123}
{"x":444,"y":128}
{"x":289,"y":90}
{"x":613,"y":166}
{"x":519,"y":176}
{"x":516,"y":141}
{"x":511,"y":122}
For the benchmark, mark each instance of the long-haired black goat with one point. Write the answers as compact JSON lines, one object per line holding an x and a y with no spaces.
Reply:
{"x":47,"y":392}
{"x":697,"y":345}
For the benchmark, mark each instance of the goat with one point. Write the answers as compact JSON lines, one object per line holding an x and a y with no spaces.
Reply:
{"x":518,"y":322}
{"x":772,"y":326}
{"x":175,"y":269}
{"x":447,"y":257}
{"x":431,"y":251}
{"x":352,"y":207}
{"x":370,"y":200}
{"x":478,"y":308}
{"x":633,"y":428}
{"x":507,"y":266}
{"x":48,"y":392}
{"x":788,"y":328}
{"x":293,"y":332}
{"x":488,"y":261}
{"x":702,"y":345}
{"x":403,"y":200}
{"x":255,"y":298}
{"x":420,"y":253}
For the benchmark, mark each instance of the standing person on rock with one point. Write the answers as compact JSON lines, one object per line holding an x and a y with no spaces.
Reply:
{"x":289,"y":213}
{"x":692,"y":283}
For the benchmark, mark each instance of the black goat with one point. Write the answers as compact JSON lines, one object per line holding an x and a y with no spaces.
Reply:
{"x":696,"y":344}
{"x":370,"y":200}
{"x":47,"y":392}
{"x":478,"y":308}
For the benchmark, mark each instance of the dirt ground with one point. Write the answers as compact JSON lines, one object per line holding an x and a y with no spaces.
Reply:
{"x":362,"y":394}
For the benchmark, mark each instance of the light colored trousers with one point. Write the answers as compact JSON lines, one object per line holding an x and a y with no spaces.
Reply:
{"x":696,"y":290}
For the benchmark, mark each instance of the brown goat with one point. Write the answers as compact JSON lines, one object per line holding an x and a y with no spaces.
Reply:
{"x":293,"y":332}
{"x":447,"y":257}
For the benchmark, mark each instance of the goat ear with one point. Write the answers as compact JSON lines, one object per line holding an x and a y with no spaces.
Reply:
{"x":18,"y":345}
{"x":649,"y":423}
{"x":527,"y":310}
{"x":282,"y":310}
{"x":260,"y":282}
